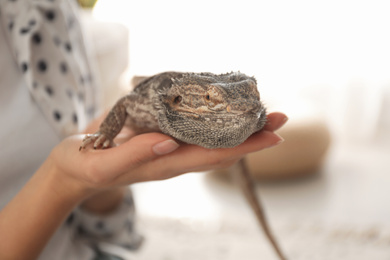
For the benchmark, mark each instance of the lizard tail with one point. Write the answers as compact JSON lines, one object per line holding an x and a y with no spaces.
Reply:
{"x":247,"y":186}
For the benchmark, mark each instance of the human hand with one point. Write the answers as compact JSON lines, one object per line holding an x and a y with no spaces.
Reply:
{"x":147,"y":157}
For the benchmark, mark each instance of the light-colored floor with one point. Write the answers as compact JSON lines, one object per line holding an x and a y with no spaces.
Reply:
{"x":342,"y":212}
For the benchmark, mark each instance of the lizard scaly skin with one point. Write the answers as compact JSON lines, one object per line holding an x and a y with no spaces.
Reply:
{"x":213,"y":111}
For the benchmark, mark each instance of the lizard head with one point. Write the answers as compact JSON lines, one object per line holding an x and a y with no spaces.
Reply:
{"x":213,"y":111}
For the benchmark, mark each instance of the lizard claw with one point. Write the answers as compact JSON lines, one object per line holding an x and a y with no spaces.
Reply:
{"x":99,"y":140}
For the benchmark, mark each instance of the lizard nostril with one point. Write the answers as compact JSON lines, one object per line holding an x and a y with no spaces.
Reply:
{"x":177,"y":99}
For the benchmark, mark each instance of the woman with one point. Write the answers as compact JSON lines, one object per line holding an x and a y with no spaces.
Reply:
{"x":56,"y":202}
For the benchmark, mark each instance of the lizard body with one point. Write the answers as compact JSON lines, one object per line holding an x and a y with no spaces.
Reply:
{"x":213,"y":111}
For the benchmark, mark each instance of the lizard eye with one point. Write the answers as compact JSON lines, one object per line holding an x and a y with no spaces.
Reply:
{"x":177,"y":100}
{"x":208,"y":97}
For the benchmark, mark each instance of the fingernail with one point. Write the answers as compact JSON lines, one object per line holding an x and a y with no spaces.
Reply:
{"x":282,"y":123}
{"x":165,"y":147}
{"x":281,"y":140}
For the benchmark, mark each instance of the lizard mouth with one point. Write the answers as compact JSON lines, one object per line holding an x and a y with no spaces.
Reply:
{"x":230,"y":110}
{"x":214,"y":130}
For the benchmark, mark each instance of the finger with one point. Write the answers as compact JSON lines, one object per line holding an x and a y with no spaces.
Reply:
{"x":275,"y":121}
{"x":171,"y":173}
{"x":123,"y":137}
{"x":133,"y":153}
{"x":189,"y":158}
{"x":223,"y":165}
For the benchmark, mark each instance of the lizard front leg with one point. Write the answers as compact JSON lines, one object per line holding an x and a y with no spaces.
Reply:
{"x":110,"y":127}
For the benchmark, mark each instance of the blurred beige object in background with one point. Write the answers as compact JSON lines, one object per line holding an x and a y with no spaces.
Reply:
{"x":306,"y":142}
{"x":307,"y":138}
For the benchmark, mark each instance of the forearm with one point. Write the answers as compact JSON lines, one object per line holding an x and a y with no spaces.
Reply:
{"x":31,"y":218}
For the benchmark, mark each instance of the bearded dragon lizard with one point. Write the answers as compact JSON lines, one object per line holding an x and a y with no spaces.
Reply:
{"x":209,"y":110}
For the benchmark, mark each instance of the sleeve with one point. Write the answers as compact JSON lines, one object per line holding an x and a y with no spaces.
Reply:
{"x":117,"y":228}
{"x":46,"y":40}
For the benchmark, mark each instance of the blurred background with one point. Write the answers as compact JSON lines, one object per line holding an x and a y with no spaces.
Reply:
{"x":326,"y":64}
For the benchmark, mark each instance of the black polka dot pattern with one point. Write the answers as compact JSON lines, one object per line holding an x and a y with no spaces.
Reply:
{"x":70,"y":219}
{"x":24,"y":67}
{"x":71,"y":22}
{"x":63,"y":67}
{"x":121,"y":223}
{"x":11,"y":25}
{"x":81,"y":230}
{"x":50,"y":15}
{"x":91,"y":110}
{"x":24,"y":30}
{"x":32,"y":22}
{"x":57,"y":115}
{"x":75,"y":119}
{"x":44,"y":37}
{"x":68,"y":47}
{"x":37,"y":38}
{"x":49,"y":90}
{"x":42,"y":66}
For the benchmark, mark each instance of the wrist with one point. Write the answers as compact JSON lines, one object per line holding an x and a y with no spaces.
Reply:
{"x":63,"y":186}
{"x":39,"y":208}
{"x":104,"y":202}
